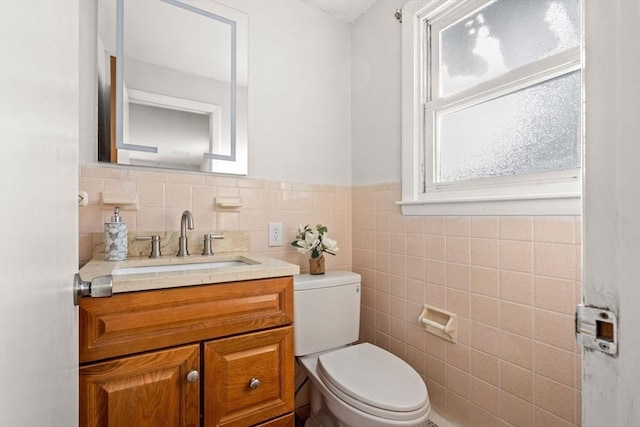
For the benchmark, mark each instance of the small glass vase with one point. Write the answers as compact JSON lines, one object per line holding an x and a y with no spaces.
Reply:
{"x":316,"y":265}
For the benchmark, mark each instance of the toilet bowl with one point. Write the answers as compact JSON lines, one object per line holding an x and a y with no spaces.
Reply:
{"x":383,"y":392}
{"x":352,"y":385}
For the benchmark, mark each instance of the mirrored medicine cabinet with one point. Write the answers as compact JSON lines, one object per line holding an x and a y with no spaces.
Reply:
{"x":172,"y":79}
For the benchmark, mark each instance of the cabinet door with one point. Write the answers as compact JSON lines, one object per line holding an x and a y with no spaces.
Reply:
{"x":248,"y":378}
{"x":148,"y":390}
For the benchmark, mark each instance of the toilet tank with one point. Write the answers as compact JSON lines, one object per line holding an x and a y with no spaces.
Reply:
{"x":326,"y":311}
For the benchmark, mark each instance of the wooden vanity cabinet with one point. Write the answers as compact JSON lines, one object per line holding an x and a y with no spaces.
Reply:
{"x":207,"y":355}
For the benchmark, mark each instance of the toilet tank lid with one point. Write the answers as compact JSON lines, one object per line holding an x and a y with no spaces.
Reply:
{"x":307,"y":281}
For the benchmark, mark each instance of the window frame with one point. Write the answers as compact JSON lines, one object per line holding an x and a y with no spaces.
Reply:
{"x":547,"y":193}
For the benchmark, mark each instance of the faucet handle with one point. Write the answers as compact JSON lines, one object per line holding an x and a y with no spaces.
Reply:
{"x":207,"y":243}
{"x":155,"y":245}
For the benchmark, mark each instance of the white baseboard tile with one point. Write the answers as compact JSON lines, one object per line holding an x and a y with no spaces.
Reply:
{"x":441,"y":420}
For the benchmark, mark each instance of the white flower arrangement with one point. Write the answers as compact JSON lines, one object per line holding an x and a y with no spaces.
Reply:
{"x":315,"y":241}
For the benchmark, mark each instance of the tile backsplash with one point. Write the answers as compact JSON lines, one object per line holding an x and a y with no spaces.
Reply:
{"x":163,"y":196}
{"x":233,"y":241}
{"x":514,"y":283}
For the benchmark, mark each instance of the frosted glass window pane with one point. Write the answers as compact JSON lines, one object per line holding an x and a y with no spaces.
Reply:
{"x":503,"y":36}
{"x":536,"y":129}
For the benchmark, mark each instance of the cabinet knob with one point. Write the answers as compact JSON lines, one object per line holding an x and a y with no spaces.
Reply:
{"x":254,"y":383}
{"x":193,"y":376}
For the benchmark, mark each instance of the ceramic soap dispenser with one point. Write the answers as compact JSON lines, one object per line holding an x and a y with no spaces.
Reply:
{"x":115,"y":238}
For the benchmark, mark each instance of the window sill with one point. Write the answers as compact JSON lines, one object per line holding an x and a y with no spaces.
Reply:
{"x":557,"y":204}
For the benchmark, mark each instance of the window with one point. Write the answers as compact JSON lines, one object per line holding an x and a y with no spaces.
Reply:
{"x":492,"y":107}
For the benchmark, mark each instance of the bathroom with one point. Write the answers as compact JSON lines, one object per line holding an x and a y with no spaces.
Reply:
{"x":325,"y":146}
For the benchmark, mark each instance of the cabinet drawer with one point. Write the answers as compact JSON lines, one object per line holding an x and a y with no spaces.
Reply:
{"x":231,"y":364}
{"x":147,"y":390}
{"x":129,"y":323}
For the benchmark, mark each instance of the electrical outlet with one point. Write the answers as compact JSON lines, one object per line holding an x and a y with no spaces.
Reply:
{"x":275,"y":234}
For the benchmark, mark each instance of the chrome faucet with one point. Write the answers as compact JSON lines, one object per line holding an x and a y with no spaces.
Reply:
{"x":185,"y":222}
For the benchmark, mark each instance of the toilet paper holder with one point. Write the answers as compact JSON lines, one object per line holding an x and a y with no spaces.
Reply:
{"x":439,"y":322}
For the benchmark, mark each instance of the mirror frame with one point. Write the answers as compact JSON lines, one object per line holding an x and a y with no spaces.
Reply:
{"x":237,"y":153}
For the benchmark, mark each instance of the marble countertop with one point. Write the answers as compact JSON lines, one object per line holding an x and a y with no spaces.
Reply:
{"x":258,"y":267}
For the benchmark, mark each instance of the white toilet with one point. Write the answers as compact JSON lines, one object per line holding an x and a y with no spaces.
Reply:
{"x":351,"y":385}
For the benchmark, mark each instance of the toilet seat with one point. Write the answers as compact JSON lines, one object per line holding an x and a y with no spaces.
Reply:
{"x":374,"y":381}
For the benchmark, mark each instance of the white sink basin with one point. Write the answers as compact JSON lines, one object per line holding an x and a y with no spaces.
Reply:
{"x":178,"y":267}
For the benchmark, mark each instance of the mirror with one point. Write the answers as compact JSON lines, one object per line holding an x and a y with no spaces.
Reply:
{"x":172,"y":81}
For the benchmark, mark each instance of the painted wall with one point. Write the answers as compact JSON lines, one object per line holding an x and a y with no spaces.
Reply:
{"x":513,"y":281}
{"x":299,"y":93}
{"x":299,"y":100}
{"x":376,"y":102}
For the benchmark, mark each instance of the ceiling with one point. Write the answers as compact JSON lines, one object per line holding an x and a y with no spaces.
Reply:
{"x":344,"y":10}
